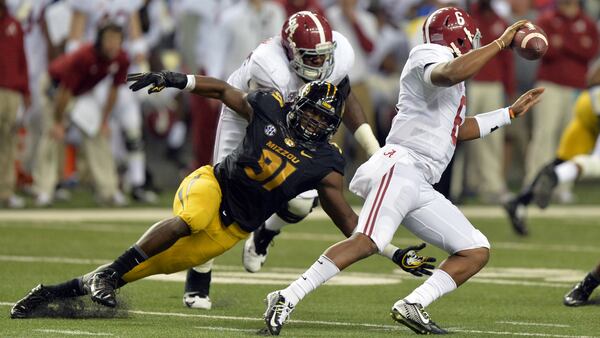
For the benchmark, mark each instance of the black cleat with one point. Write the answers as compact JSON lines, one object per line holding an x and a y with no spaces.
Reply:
{"x":277,"y":313}
{"x":578,"y":296}
{"x":102,"y":287}
{"x":516,"y":214}
{"x":544,"y":186}
{"x":415,"y":318}
{"x":37,"y":296}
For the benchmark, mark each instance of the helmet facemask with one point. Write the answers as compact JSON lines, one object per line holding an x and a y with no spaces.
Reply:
{"x":311,"y":121}
{"x":314,"y":73}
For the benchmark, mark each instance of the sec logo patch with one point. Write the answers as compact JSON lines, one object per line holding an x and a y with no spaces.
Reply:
{"x":270,"y":130}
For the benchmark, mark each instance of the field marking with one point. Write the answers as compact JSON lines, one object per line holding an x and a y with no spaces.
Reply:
{"x":75,"y":332}
{"x":154,"y":214}
{"x":533,"y":324}
{"x":334,"y":323}
{"x":234,"y":274}
{"x":221,"y":328}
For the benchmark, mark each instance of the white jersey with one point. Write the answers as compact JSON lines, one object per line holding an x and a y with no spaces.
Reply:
{"x":269,"y":67}
{"x":97,"y":11}
{"x":428,"y":116}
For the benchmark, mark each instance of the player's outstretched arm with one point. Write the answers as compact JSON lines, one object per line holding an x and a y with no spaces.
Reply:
{"x":483,"y":124}
{"x":465,"y":66}
{"x":201,"y":85}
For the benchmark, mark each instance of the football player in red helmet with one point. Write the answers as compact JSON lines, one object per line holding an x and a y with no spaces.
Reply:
{"x":452,"y":27}
{"x":309,"y":49}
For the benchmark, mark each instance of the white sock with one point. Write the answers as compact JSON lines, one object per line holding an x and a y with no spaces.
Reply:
{"x":137,"y":168}
{"x":439,"y":284}
{"x":274,"y":223}
{"x":320,"y":272}
{"x":566,"y":172}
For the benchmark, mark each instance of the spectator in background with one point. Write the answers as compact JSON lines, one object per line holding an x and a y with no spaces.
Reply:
{"x":73,"y":77}
{"x":360,"y":27}
{"x":126,"y":119}
{"x":293,"y":6}
{"x":573,"y":43}
{"x":385,"y":65}
{"x":518,"y":134}
{"x":244,"y":26}
{"x":38,"y":50}
{"x":489,"y":89}
{"x":14,"y":89}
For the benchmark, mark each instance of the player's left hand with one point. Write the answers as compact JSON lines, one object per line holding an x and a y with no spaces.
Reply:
{"x":526,"y":101}
{"x":409,"y":260}
{"x":157,"y":80}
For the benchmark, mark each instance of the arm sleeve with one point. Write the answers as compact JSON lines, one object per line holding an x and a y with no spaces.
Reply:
{"x":424,"y":60}
{"x":265,"y":102}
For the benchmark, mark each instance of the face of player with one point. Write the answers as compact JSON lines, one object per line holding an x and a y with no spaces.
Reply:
{"x":314,"y":60}
{"x":111,"y":44}
{"x":313,"y":123}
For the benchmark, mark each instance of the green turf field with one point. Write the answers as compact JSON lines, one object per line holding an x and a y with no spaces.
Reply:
{"x":518,"y":294}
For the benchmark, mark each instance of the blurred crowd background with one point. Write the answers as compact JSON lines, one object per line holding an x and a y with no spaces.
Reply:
{"x":153,"y":140}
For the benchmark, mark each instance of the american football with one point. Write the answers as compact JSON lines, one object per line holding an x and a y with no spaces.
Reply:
{"x":530,"y":42}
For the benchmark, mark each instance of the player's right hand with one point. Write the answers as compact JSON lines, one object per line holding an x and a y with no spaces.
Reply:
{"x":510,"y":32}
{"x":157,"y":80}
{"x":526,"y":101}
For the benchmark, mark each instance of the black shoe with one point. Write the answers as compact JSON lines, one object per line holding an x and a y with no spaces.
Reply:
{"x":544,"y":186}
{"x":102,"y":287}
{"x":579,"y":295}
{"x":36,"y":297}
{"x":516,"y":214}
{"x":415,"y":318}
{"x":277,"y":313}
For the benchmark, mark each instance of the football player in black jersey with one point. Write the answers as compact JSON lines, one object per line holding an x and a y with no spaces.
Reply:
{"x":286,"y":151}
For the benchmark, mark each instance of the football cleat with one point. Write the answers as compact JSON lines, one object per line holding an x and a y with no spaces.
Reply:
{"x":194,"y":301}
{"x":277,"y":313}
{"x":252,"y":260}
{"x":36,"y":297}
{"x":579,"y":295}
{"x":413,"y":316}
{"x":516,"y":214}
{"x":102,"y":287}
{"x":544,"y":186}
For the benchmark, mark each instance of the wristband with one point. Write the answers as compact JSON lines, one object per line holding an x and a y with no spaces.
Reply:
{"x":488,"y":122}
{"x":365,"y":137}
{"x":191,"y":83}
{"x":389,"y":251}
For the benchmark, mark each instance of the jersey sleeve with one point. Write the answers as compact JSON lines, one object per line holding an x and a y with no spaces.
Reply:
{"x":268,"y":71}
{"x":338,"y":162}
{"x":343,"y":59}
{"x":344,"y":87}
{"x":266,"y":103}
{"x":425,"y":57}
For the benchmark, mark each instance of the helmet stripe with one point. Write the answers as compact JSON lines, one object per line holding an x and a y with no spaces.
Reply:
{"x":319,"y":26}
{"x":427,"y":23}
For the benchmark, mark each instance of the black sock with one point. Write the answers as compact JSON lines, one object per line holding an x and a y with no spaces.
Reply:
{"x":72,"y":288}
{"x":198,"y":282}
{"x":262,"y":238}
{"x":128,"y":260}
{"x":591,"y":281}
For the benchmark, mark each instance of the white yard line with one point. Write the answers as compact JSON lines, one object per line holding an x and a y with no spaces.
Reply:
{"x":220,"y":328}
{"x":534,"y":324}
{"x":154,"y":214}
{"x":321,"y":322}
{"x":75,"y":333}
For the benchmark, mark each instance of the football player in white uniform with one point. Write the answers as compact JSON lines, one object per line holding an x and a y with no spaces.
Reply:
{"x":396,"y":182}
{"x":307,"y":50}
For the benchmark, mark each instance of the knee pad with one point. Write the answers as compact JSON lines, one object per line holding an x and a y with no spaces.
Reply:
{"x":590,"y":165}
{"x":297,"y":209}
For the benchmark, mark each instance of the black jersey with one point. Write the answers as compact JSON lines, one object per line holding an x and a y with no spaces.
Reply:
{"x":269,"y":167}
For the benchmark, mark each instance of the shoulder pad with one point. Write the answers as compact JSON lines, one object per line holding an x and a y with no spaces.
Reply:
{"x":343,"y":58}
{"x":269,"y":67}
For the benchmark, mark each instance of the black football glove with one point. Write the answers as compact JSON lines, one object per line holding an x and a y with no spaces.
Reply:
{"x":409,"y":260}
{"x":158,"y":81}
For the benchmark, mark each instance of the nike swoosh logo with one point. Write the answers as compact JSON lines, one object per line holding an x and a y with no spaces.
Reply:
{"x":303,"y":153}
{"x":423,"y":319}
{"x":319,"y":262}
{"x":303,"y":277}
{"x":273,"y":321}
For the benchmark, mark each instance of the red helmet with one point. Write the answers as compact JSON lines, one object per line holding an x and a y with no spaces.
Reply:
{"x":308,"y":34}
{"x":452,"y":27}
